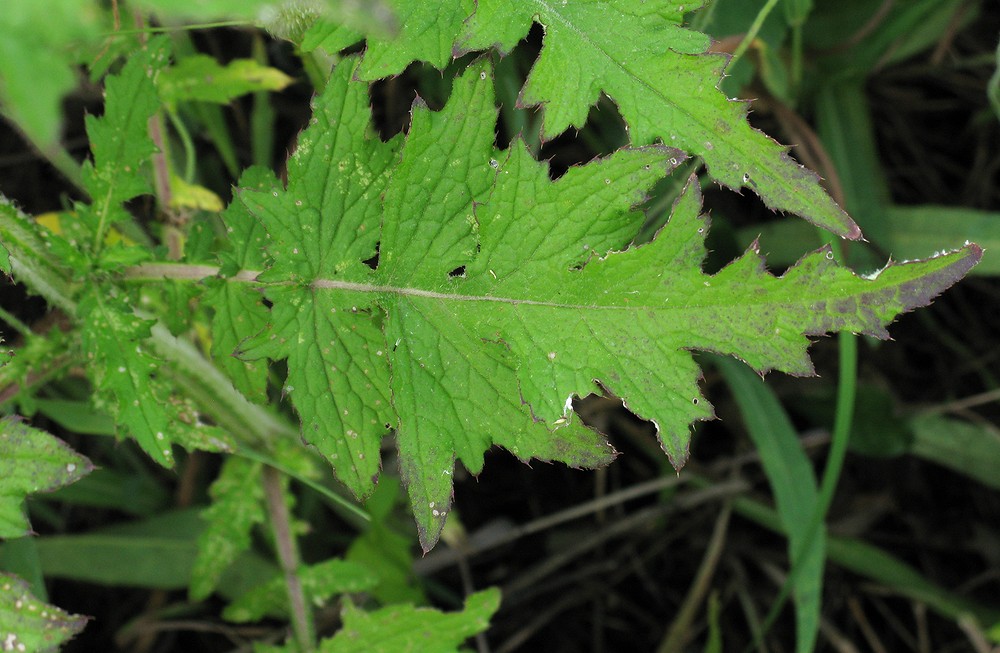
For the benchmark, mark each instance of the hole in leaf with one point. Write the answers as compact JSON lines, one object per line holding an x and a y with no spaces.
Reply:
{"x":457,"y":272}
{"x":373,"y":261}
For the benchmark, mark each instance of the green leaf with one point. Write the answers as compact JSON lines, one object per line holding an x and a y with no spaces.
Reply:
{"x":661,"y":76}
{"x":793,"y":483}
{"x":122,"y":369}
{"x":337,"y":372}
{"x":120,"y":140}
{"x":237,"y":506}
{"x":27,"y":624}
{"x":239,"y":311}
{"x":663,"y":80}
{"x":37,"y":61}
{"x":319,"y":583}
{"x":200,"y":77}
{"x":491,"y":308}
{"x":405,"y":629}
{"x":31,"y":461}
{"x":156,"y":553}
{"x":967,"y":448}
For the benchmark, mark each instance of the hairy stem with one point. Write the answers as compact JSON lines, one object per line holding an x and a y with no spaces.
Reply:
{"x":288,"y":555}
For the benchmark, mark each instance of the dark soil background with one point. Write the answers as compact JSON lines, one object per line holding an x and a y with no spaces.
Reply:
{"x":614,"y":579}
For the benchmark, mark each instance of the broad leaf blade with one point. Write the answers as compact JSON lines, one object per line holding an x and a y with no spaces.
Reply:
{"x":31,"y":461}
{"x":493,"y":306}
{"x":323,"y":226}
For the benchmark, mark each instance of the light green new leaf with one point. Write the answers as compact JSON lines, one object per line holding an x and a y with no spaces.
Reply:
{"x":665,"y":84}
{"x":319,"y":583}
{"x":237,"y":506}
{"x":120,"y":140}
{"x":27,"y":624}
{"x":200,"y":77}
{"x":499,"y":295}
{"x":406,"y":629}
{"x":31,"y":461}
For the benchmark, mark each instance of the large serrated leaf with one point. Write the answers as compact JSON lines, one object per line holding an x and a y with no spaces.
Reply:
{"x":665,"y":83}
{"x":660,"y":74}
{"x":31,"y":461}
{"x":500,"y":295}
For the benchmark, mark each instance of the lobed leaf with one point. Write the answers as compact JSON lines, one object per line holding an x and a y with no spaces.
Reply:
{"x":31,"y":461}
{"x":661,"y":75}
{"x":499,"y":295}
{"x":120,"y":141}
{"x":405,"y":629}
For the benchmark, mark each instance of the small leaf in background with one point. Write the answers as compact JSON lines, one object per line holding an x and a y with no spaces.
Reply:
{"x":386,"y":549}
{"x":202,"y":78}
{"x":405,"y":629}
{"x":27,"y":624}
{"x":31,"y":461}
{"x":157,"y":552}
{"x":38,"y":60}
{"x":967,"y":448}
{"x":319,"y":583}
{"x":463,"y":303}
{"x":119,"y":139}
{"x":237,"y":506}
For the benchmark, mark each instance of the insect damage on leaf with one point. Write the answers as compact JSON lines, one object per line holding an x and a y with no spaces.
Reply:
{"x":553,"y":300}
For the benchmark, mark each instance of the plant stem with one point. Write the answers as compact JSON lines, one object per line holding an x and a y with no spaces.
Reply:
{"x":751,"y":34}
{"x":288,"y":555}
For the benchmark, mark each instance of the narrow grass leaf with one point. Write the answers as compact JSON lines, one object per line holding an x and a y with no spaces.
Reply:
{"x":794,"y":486}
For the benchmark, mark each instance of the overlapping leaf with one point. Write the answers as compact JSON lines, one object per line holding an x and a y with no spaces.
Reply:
{"x":499,"y":295}
{"x":661,"y":75}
